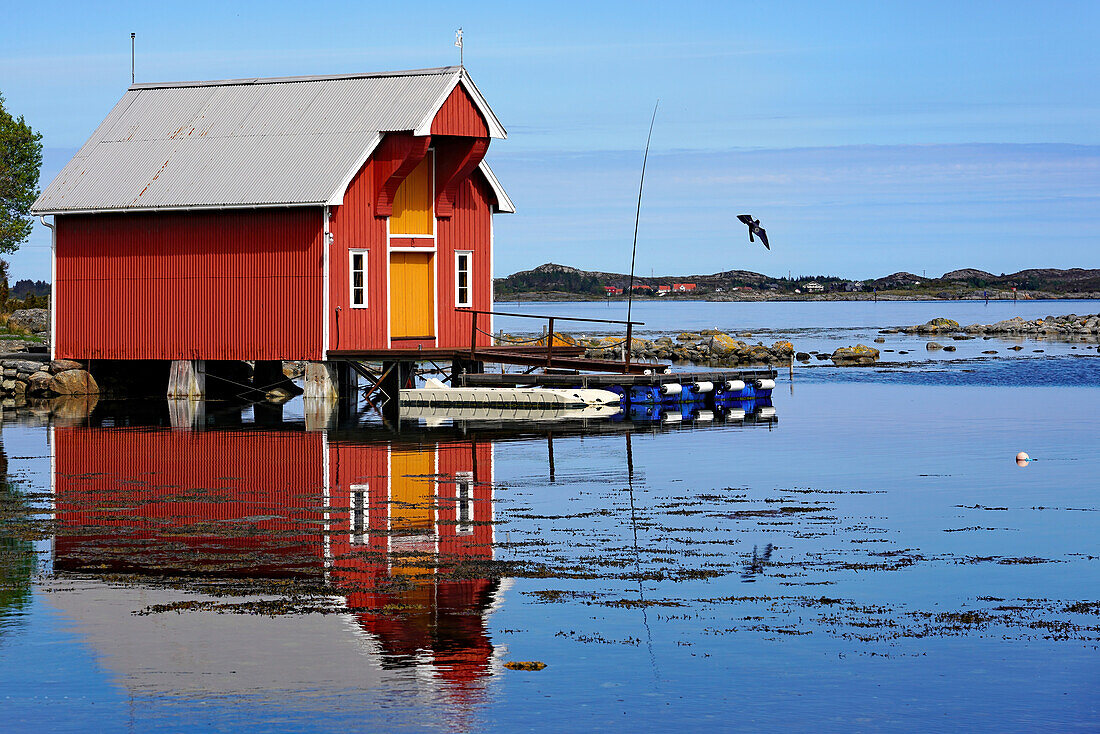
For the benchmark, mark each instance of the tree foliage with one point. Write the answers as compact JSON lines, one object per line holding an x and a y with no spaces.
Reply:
{"x":20,"y":161}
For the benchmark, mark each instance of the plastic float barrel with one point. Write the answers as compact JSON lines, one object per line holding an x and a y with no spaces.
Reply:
{"x":671,"y":388}
{"x":672,"y":417}
{"x":733,"y":386}
{"x":704,"y":415}
{"x":702,"y":387}
{"x":765,"y":412}
{"x":764,"y":384}
{"x":644,"y":394}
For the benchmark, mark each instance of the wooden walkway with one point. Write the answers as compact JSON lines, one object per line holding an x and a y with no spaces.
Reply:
{"x":607,"y":380}
{"x":556,"y":357}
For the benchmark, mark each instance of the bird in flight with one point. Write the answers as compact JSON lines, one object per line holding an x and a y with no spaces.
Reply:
{"x":755,"y":229}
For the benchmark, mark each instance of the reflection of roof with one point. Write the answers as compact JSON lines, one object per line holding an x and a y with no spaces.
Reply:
{"x":197,"y":652}
{"x":251,"y":142}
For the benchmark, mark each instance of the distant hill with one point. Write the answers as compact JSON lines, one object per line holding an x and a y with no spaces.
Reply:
{"x":565,"y":280}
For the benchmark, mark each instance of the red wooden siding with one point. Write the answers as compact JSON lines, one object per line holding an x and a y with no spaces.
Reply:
{"x":354,"y":226}
{"x":190,"y":285}
{"x":467,"y":229}
{"x":459,"y":116}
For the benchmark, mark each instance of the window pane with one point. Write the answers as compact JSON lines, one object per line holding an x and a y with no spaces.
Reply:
{"x":357,"y":296}
{"x":357,"y":278}
{"x":357,"y":262}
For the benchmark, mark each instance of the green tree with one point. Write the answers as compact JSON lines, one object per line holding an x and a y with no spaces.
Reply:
{"x":20,"y":161}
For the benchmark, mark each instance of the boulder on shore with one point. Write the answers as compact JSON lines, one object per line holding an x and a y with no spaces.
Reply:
{"x":74,"y":382}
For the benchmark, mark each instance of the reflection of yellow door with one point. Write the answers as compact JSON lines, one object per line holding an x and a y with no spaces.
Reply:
{"x":412,"y":295}
{"x":412,"y":495}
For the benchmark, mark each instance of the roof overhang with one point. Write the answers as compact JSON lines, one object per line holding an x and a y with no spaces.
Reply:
{"x":504,"y":204}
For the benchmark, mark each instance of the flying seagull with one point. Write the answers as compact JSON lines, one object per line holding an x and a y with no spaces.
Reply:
{"x":755,"y":229}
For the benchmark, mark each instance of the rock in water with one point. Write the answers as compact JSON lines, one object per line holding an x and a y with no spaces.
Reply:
{"x":860,"y":354}
{"x":74,"y":382}
{"x":933,"y":346}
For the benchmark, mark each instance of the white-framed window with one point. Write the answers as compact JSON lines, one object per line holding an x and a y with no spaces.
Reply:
{"x":357,"y":278}
{"x":463,"y":272}
{"x":358,"y":512}
{"x":464,"y":503}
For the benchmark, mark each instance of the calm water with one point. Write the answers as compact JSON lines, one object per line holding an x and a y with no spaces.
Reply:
{"x":816,"y":325}
{"x":874,"y":559}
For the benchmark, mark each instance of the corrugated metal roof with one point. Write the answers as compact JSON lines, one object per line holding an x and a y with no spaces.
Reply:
{"x":249,"y":142}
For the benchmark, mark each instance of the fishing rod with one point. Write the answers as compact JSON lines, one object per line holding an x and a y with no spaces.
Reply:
{"x":637,"y":216}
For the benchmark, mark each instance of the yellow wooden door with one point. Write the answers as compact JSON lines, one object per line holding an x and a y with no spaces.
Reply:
{"x":412,"y":203}
{"x":412,"y":491}
{"x":412,"y":295}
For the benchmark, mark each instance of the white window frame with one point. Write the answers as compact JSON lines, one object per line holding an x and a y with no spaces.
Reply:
{"x":351,"y":277}
{"x":469,"y":278}
{"x":464,"y":503}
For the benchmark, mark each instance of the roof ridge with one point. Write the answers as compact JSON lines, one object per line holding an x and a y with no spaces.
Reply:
{"x":438,"y":70}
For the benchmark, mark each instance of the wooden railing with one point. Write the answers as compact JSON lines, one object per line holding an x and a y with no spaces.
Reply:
{"x":550,"y":329}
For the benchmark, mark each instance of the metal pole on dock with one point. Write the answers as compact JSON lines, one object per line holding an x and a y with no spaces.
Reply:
{"x":634,"y":247}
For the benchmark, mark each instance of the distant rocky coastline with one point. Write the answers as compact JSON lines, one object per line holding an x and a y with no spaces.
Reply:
{"x":553,"y":282}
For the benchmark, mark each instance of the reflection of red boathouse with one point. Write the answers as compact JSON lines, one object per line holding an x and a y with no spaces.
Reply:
{"x":383,"y":522}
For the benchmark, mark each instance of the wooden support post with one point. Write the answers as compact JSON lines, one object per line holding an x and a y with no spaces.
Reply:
{"x":550,"y":342}
{"x":321,"y":381}
{"x":396,"y":376}
{"x":473,"y":333}
{"x":187,"y":379}
{"x":628,"y":345}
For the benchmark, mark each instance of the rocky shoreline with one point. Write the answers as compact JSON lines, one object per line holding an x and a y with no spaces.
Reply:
{"x":28,"y":371}
{"x":708,"y":346}
{"x":755,"y":296}
{"x":1069,"y":325}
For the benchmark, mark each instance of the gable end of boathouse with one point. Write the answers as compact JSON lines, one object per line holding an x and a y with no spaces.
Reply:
{"x":277,"y":219}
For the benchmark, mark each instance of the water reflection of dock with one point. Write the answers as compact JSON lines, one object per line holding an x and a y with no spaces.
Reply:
{"x":376,"y":529}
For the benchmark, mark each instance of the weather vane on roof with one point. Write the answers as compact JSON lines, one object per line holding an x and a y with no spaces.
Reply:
{"x":458,"y":43}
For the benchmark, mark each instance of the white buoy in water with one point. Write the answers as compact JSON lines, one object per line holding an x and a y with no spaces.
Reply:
{"x":1022,"y":459}
{"x":765,"y":384}
{"x":702,"y":386}
{"x":671,"y":388}
{"x":735,"y":385}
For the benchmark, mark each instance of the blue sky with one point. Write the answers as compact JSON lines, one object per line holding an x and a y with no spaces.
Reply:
{"x":868,"y":137}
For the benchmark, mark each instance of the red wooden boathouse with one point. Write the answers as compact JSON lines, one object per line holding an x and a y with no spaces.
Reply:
{"x":277,"y":219}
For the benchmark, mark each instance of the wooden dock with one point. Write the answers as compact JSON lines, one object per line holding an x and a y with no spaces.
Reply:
{"x":553,"y":379}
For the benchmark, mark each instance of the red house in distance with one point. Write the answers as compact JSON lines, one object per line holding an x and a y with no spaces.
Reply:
{"x":276,"y":219}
